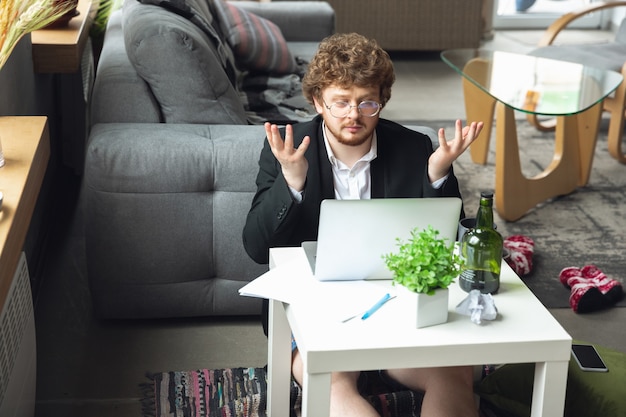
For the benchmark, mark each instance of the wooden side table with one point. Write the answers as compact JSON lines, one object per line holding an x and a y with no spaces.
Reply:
{"x":63,"y":60}
{"x":60,"y":50}
{"x":26,"y":146}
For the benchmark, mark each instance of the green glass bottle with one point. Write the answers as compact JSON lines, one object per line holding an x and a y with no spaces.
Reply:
{"x":481,"y":248}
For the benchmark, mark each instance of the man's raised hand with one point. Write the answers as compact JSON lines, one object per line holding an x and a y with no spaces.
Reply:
{"x":292,"y":161}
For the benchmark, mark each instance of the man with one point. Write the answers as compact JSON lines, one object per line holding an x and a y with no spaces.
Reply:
{"x":348,"y":152}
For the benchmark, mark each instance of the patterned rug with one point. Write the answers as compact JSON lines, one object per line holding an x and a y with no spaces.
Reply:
{"x":242,"y":392}
{"x":237,"y":392}
{"x":587,"y":226}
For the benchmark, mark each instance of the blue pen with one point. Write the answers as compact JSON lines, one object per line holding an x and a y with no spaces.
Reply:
{"x":376,"y":306}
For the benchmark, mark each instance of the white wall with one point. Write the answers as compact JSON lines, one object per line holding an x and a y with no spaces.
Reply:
{"x":618,"y":15}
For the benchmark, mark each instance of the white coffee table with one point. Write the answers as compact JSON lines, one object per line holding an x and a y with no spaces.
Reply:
{"x":525,"y":332}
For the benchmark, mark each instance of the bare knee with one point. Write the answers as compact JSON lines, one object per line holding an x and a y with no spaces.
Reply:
{"x":340,"y":381}
{"x":296,"y":367}
{"x":424,"y":378}
{"x":343,"y":383}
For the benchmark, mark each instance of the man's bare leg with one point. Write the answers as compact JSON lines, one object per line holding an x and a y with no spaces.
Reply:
{"x":345,"y":400}
{"x":448,"y":391}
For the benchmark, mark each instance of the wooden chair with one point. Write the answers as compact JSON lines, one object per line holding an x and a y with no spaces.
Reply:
{"x":609,"y":55}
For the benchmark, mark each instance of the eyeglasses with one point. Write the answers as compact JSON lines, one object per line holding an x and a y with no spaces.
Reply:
{"x":341,"y":109}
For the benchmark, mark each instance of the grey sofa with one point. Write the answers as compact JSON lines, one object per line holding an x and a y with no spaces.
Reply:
{"x":171,"y":164}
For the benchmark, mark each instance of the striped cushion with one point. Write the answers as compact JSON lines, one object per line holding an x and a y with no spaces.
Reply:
{"x":258,"y":44}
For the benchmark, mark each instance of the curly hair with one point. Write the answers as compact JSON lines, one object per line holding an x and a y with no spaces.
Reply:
{"x":348,"y":59}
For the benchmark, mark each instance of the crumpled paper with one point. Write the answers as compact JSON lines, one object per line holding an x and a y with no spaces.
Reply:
{"x":478,"y":306}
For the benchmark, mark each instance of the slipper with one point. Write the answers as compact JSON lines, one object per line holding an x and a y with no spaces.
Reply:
{"x":567,"y":273}
{"x":585,"y":296}
{"x":521,"y":249}
{"x":610,"y":288}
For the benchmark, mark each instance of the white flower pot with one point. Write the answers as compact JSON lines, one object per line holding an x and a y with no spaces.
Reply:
{"x":429,"y":309}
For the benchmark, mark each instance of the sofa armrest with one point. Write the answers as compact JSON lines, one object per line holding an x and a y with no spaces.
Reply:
{"x":299,"y":21}
{"x":164,"y":207}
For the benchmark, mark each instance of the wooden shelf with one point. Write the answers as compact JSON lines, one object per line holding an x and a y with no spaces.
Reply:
{"x":26,"y":146}
{"x":60,"y":50}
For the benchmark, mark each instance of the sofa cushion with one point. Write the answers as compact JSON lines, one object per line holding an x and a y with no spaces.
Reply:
{"x":160,"y":43}
{"x":258,"y":43}
{"x":318,"y":17}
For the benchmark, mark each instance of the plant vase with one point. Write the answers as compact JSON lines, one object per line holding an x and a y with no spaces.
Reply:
{"x":428,"y":310}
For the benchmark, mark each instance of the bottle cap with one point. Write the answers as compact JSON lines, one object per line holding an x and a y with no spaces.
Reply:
{"x":486,"y":194}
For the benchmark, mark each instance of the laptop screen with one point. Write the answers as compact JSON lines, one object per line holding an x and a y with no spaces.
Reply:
{"x":355,"y":234}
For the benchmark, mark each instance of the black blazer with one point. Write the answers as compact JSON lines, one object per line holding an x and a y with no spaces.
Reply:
{"x":400,"y":170}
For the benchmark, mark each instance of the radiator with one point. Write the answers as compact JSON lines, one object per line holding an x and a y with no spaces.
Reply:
{"x":18,"y":352}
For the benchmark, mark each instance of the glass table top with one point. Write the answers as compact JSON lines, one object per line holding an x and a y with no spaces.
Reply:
{"x":532,"y":84}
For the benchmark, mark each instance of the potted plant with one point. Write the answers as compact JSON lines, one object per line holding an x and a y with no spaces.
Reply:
{"x":423,"y":268}
{"x":20,"y":17}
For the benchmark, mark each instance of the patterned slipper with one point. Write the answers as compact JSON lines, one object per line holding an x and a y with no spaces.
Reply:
{"x":567,"y":273}
{"x":586,"y":297}
{"x":610,"y":288}
{"x":521,"y":249}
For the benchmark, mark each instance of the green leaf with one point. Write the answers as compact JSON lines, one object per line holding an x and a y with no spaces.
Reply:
{"x":425,"y":262}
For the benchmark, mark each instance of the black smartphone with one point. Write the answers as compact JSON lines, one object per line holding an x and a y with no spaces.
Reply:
{"x":588,"y":358}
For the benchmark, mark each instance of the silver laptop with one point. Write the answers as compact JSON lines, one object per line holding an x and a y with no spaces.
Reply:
{"x":355,"y":234}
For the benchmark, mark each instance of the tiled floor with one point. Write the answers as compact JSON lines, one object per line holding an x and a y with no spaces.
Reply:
{"x":92,"y":368}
